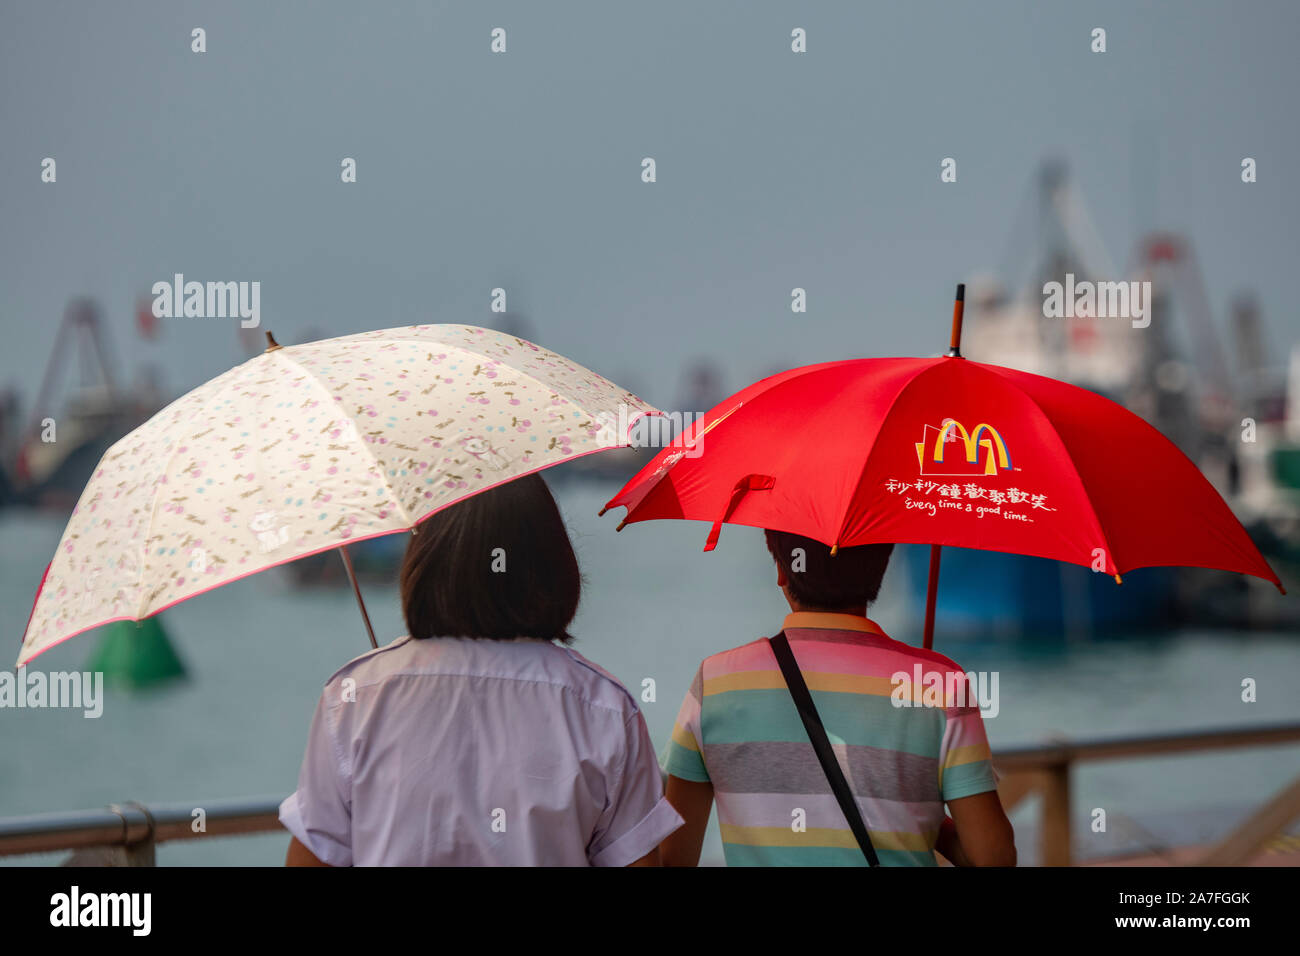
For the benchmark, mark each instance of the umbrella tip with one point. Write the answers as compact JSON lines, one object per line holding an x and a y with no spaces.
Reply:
{"x":271,"y":343}
{"x":958,"y":308}
{"x":601,"y":512}
{"x":834,"y":549}
{"x":1118,"y":579}
{"x":621,"y":525}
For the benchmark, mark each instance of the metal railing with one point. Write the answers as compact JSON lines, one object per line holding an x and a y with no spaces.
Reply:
{"x":127,"y":834}
{"x":1045,"y":770}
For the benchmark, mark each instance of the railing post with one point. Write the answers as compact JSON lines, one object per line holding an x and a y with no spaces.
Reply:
{"x":132,"y":850}
{"x":1055,"y":837}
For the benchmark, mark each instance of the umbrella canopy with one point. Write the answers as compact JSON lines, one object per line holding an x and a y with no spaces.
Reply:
{"x":945,"y":451}
{"x":309,"y":447}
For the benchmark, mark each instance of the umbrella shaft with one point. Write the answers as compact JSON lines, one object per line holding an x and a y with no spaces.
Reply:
{"x":931,"y":595}
{"x":356,"y":589}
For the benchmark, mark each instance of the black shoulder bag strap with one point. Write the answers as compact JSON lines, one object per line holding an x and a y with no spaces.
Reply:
{"x":812,"y":723}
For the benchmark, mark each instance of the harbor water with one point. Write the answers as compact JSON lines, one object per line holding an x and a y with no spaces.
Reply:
{"x":258,"y":651}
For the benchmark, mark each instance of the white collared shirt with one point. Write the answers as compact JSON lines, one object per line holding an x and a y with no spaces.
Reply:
{"x":463,"y":752}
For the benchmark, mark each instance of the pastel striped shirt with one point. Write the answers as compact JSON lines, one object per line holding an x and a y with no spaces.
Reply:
{"x":738,"y":728}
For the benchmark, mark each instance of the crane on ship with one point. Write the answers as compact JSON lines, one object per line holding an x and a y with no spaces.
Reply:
{"x":59,"y":447}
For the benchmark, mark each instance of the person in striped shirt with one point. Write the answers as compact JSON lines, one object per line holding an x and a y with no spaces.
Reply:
{"x":739,"y":738}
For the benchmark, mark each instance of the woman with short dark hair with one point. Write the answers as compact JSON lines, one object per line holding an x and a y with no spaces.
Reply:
{"x":479,"y":738}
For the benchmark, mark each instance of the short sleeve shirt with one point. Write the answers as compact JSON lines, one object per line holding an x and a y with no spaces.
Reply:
{"x":462,"y":752}
{"x":903,"y":722}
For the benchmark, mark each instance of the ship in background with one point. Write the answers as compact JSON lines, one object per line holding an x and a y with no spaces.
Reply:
{"x":1175,"y":374}
{"x":1266,"y":483}
{"x":48,"y":456}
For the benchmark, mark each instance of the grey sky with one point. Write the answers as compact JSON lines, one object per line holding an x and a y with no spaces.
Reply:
{"x":522,"y":170}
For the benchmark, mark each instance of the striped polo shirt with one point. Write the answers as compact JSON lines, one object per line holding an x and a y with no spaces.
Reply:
{"x":738,"y":728}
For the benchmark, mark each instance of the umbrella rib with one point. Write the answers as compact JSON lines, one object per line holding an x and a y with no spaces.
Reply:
{"x":515,"y":370}
{"x":1101,"y":531}
{"x":410,"y":520}
{"x":1087,"y":499}
{"x":734,"y":407}
{"x":153,"y":511}
{"x":524,"y":373}
{"x":1074,"y":469}
{"x":281,"y":354}
{"x":866,"y":462}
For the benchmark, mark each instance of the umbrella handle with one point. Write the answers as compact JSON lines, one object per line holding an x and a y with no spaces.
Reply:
{"x":356,"y":589}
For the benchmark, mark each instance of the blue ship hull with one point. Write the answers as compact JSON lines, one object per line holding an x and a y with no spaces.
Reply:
{"x":990,"y":593}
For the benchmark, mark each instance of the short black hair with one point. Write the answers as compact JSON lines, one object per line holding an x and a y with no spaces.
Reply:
{"x":498,"y":565}
{"x":849,"y":578}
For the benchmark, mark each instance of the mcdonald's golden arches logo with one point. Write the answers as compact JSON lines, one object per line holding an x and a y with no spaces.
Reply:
{"x":980,"y":451}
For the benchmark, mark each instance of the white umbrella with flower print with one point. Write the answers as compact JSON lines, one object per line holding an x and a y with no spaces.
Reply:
{"x":306,"y":448}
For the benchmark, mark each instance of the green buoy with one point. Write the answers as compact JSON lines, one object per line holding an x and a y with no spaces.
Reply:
{"x":135,"y":655}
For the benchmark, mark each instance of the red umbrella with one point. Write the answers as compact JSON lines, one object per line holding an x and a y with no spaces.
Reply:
{"x":944,"y":451}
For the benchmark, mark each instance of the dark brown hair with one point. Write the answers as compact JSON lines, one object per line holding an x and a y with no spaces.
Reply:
{"x":498,"y":565}
{"x":849,"y":579}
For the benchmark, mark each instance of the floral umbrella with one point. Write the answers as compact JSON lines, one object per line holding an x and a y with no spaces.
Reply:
{"x":309,"y":447}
